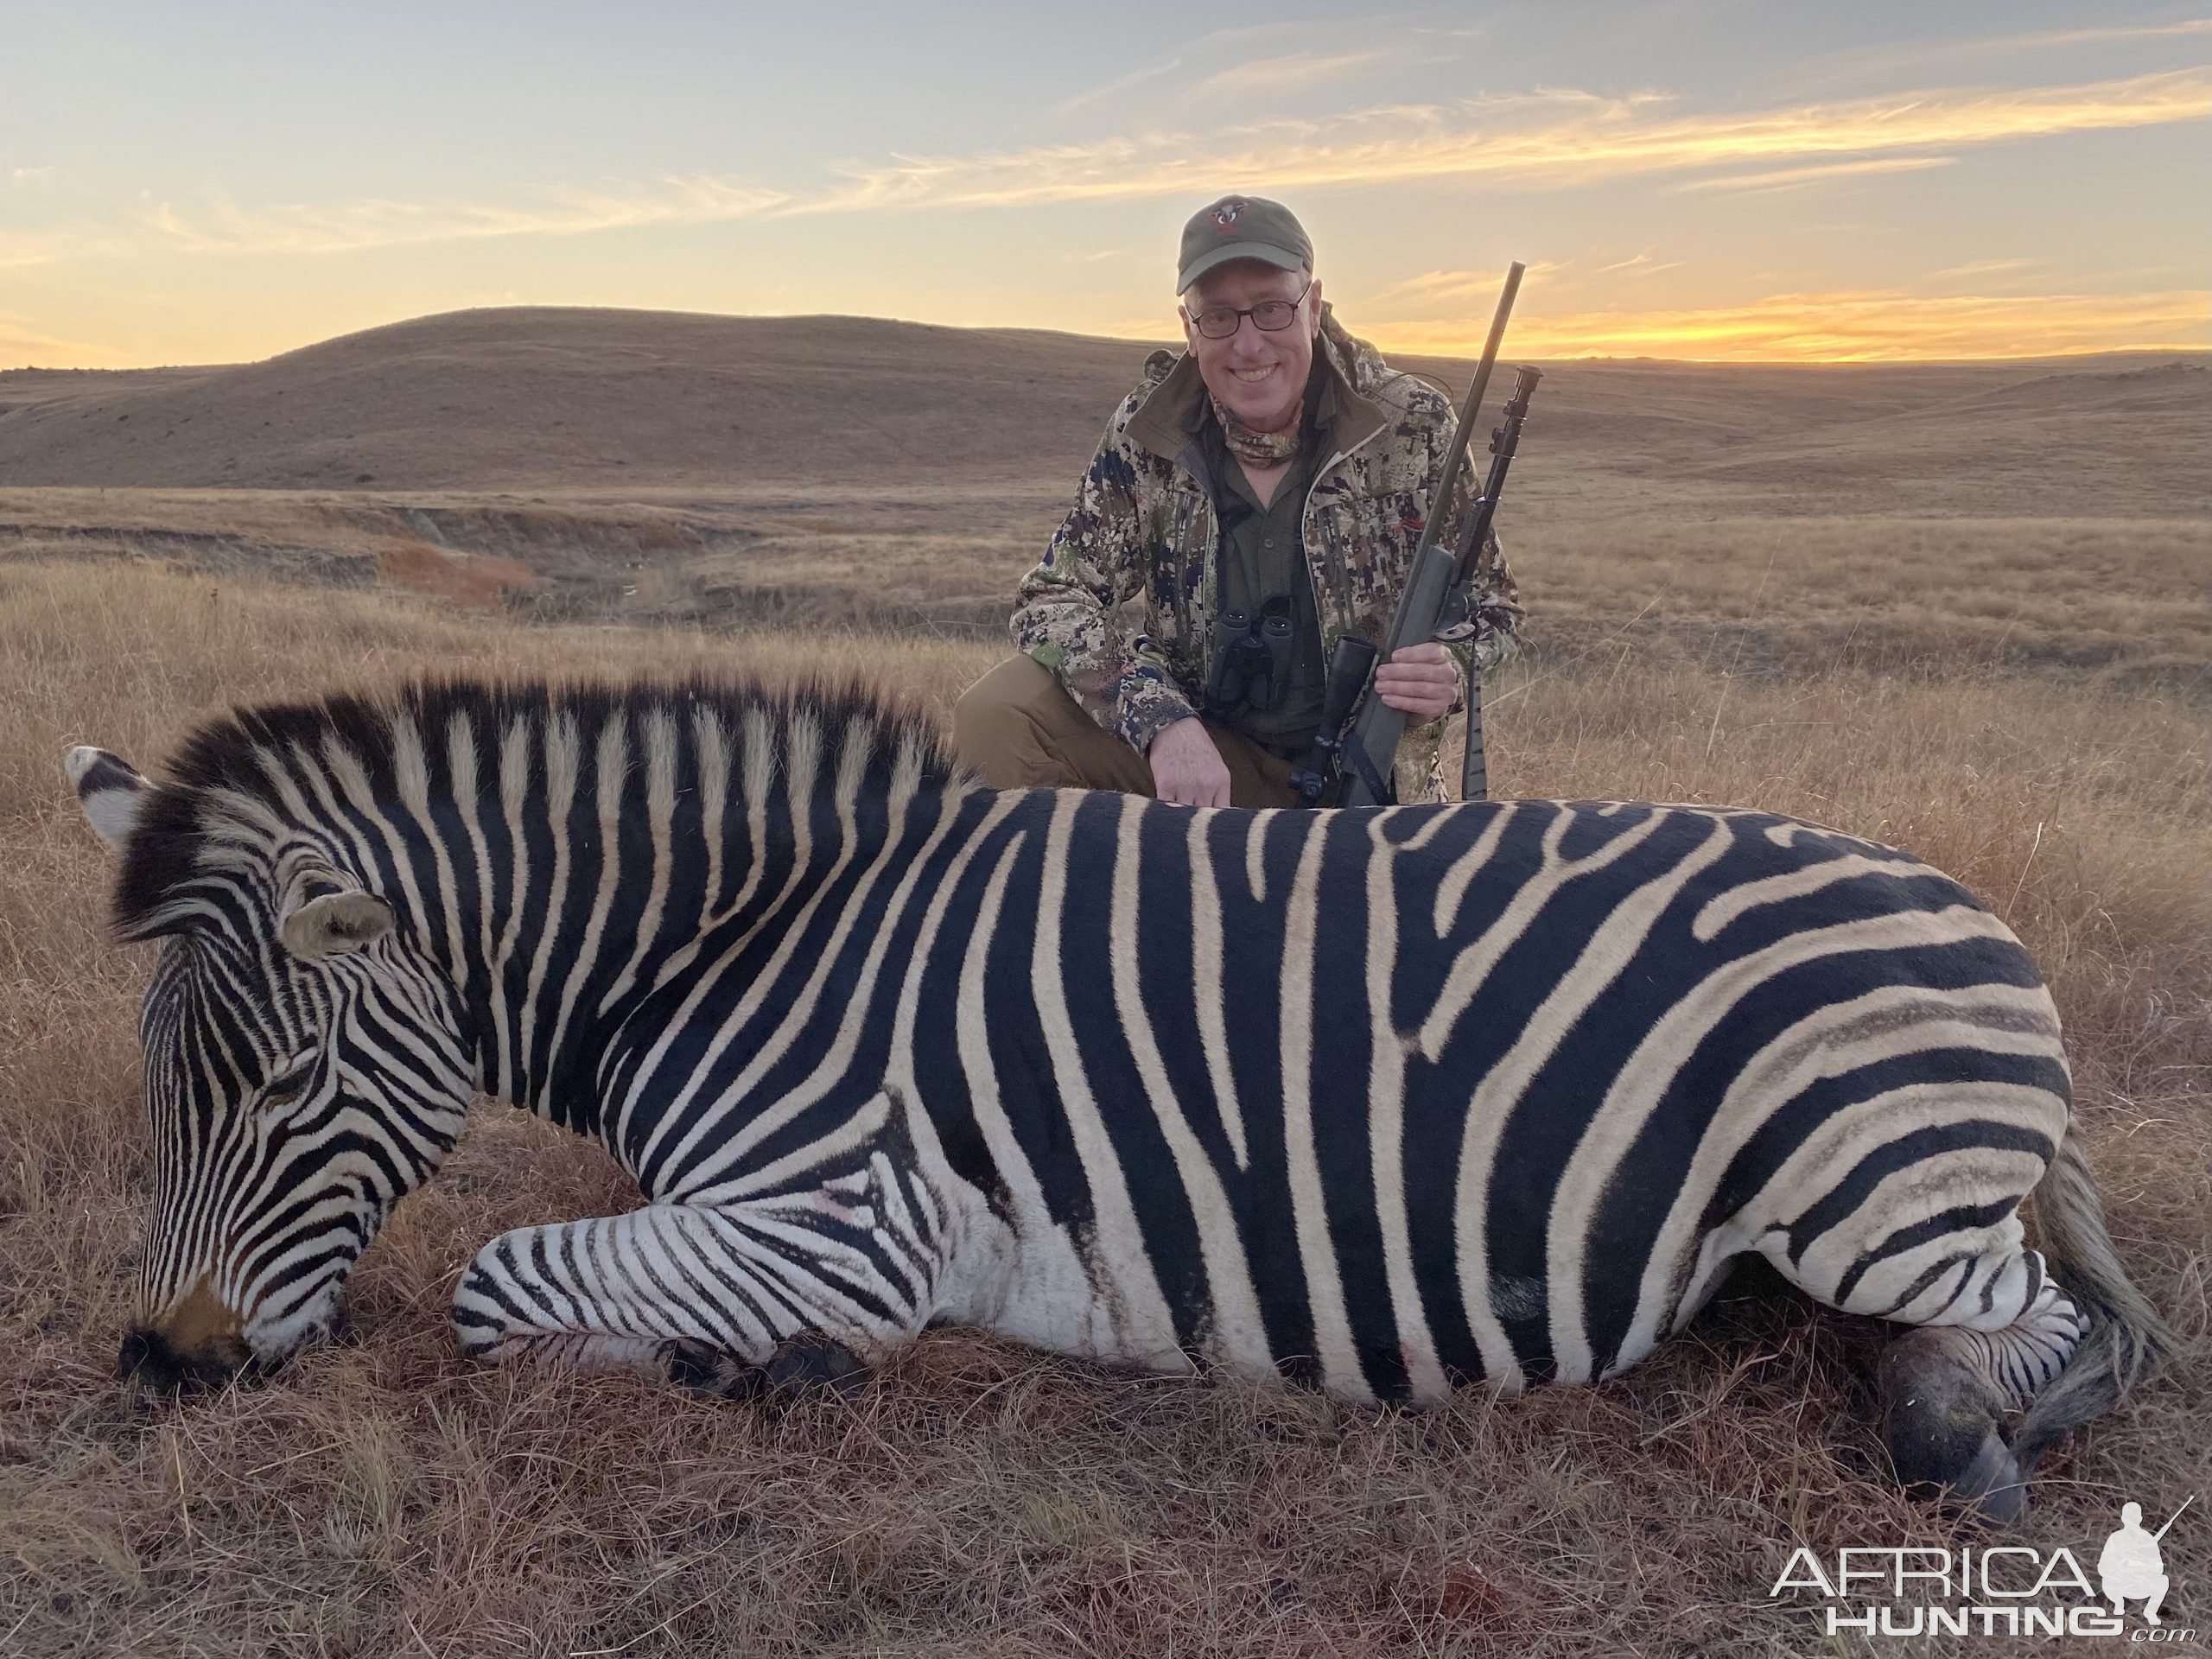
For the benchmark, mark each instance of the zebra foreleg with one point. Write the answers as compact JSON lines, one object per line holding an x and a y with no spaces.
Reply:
{"x":739,"y":1300}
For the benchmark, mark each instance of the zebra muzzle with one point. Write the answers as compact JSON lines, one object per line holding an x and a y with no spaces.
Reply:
{"x":198,"y":1341}
{"x":150,"y":1358}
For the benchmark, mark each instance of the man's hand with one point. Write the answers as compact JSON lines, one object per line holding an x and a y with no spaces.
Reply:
{"x":1420,"y":682}
{"x":1186,"y":768}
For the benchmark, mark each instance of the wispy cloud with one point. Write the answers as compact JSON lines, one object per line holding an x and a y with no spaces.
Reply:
{"x":1436,"y":287}
{"x":29,"y":175}
{"x":2114,"y":32}
{"x":1116,"y":88}
{"x":18,"y":250}
{"x":1214,"y":57}
{"x":1864,"y":60}
{"x":1553,"y":138}
{"x":1983,"y":268}
{"x":1562,"y":138}
{"x":22,"y":343}
{"x":1792,"y":178}
{"x":1293,"y":72}
{"x":1849,"y":326}
{"x":1642,"y":265}
{"x":352,"y":226}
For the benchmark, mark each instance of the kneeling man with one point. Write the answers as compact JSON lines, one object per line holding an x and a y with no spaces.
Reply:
{"x":1256,"y":498}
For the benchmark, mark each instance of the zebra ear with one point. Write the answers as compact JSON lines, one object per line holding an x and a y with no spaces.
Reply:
{"x":110,"y":790}
{"x":326,"y":914}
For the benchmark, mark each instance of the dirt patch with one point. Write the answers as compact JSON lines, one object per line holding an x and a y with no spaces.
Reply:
{"x":482,"y":581}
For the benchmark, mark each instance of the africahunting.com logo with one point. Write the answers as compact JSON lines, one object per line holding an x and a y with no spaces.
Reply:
{"x":1998,"y":1590}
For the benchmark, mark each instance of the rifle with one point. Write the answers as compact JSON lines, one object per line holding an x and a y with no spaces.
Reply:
{"x":1353,"y":768}
{"x":1474,"y":558}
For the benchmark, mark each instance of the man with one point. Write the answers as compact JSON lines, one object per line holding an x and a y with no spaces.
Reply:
{"x":1261,"y":495}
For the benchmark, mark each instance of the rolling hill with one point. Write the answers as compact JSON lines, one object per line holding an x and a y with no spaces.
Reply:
{"x":563,"y":398}
{"x":666,"y":402}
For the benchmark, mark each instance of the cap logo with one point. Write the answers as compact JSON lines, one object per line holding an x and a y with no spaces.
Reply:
{"x":1224,"y":214}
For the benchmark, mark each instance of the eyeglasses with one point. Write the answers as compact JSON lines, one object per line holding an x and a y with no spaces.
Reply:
{"x":1220,"y":321}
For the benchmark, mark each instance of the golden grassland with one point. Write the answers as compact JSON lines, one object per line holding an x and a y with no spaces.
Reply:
{"x":2025,"y":709}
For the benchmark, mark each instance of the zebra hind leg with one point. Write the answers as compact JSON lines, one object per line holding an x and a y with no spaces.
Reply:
{"x":1947,"y":1389}
{"x":1941,"y":1249}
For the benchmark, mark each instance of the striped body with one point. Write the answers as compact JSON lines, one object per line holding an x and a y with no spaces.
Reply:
{"x":1385,"y":1100}
{"x":1401,"y":1098}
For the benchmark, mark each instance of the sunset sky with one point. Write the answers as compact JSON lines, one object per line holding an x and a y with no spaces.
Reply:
{"x":1726,"y":179}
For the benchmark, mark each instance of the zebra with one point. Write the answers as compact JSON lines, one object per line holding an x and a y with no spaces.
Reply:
{"x":1388,"y":1101}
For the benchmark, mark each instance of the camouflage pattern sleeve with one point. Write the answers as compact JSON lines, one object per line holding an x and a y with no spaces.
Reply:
{"x":1066,"y":609}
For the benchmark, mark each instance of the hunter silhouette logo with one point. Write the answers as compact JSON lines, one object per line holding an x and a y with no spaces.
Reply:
{"x":1224,"y":216}
{"x":2130,"y":1565}
{"x":1994,"y":1589}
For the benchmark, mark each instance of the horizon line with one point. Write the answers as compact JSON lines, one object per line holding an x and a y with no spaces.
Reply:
{"x":1470,"y":351}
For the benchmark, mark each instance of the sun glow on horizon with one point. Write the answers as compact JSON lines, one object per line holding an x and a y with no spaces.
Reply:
{"x":1844,"y":326}
{"x":1761,"y":189}
{"x":1840,"y":327}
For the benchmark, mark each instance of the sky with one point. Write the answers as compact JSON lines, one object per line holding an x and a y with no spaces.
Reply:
{"x":1776,"y":180}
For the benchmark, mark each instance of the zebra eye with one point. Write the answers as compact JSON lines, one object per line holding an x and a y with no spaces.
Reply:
{"x":282,"y":1091}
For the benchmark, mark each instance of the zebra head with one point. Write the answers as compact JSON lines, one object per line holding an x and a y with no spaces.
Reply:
{"x":305,"y":1067}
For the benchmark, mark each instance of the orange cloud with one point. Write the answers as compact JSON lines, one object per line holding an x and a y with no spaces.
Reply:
{"x":1853,"y":326}
{"x":1434,"y":286}
{"x":1587,"y":138}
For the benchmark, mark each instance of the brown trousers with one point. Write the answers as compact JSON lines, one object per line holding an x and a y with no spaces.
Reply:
{"x":1019,"y":729}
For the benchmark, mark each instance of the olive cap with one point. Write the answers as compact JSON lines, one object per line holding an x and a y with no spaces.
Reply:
{"x":1242,"y":227}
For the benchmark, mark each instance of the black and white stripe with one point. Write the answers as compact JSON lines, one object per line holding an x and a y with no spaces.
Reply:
{"x":1388,"y":1100}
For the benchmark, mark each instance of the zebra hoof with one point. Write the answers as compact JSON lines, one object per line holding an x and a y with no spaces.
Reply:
{"x":1991,"y":1486}
{"x":703,"y":1370}
{"x":1940,"y":1418}
{"x":811,"y":1363}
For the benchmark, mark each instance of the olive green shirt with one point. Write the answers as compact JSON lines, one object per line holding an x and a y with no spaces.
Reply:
{"x":1261,"y":559}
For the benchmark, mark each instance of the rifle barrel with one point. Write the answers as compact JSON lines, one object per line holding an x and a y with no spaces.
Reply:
{"x":1455,"y":459}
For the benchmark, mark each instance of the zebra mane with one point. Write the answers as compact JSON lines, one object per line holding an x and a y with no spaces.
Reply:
{"x":223,"y":759}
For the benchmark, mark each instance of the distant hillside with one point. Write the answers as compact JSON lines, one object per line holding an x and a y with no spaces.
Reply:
{"x":661,"y":402}
{"x":540,"y":396}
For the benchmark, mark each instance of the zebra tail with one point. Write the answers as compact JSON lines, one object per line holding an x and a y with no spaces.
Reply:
{"x":2127,"y":1343}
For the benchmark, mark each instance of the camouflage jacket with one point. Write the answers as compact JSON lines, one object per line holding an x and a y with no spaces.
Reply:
{"x":1121,"y":608}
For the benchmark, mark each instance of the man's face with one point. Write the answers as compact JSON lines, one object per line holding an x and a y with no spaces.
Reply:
{"x":1256,"y":375}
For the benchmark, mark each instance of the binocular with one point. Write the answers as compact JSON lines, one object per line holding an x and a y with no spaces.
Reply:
{"x":1251,"y":660}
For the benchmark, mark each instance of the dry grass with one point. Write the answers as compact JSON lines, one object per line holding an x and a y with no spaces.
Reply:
{"x":382,"y":1498}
